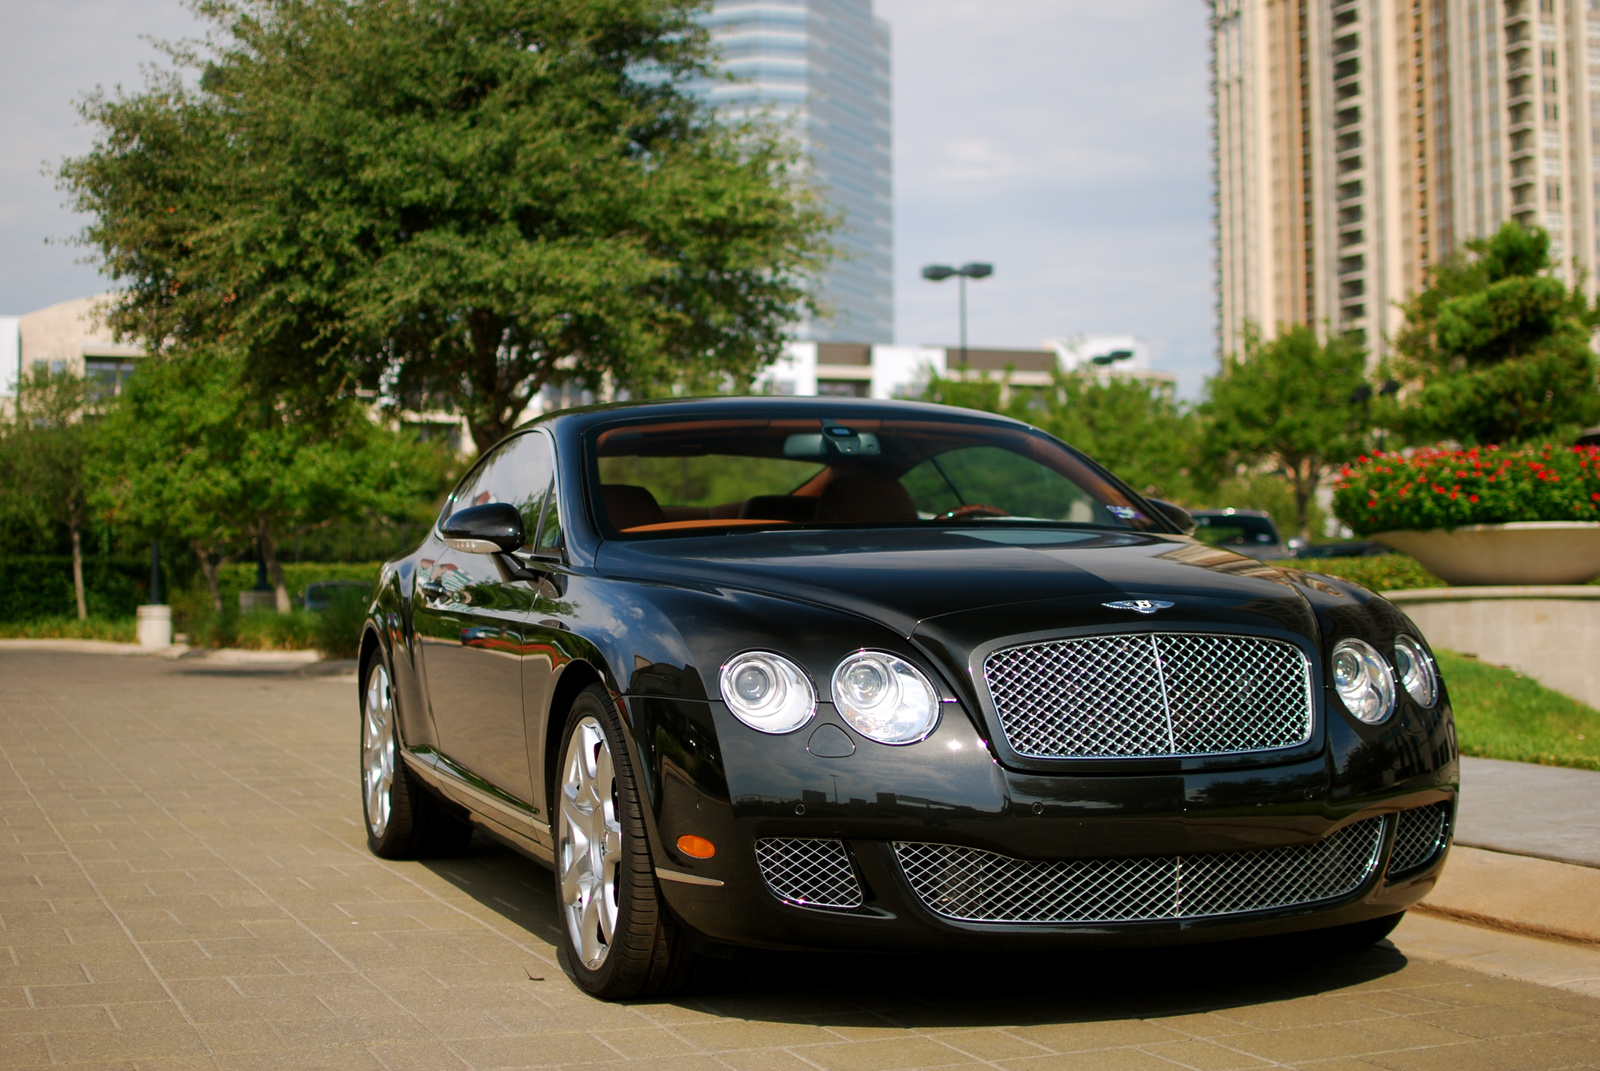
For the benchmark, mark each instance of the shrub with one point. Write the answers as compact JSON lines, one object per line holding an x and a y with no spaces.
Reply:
{"x":1382,"y":572}
{"x":267,"y":631}
{"x":1438,"y":488}
{"x":337,"y":631}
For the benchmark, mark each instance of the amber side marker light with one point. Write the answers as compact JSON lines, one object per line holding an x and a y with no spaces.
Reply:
{"x":696,"y":847}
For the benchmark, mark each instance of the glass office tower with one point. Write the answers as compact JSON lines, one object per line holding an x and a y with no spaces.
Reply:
{"x":824,"y":65}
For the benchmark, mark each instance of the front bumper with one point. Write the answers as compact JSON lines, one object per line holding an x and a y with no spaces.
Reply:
{"x":949,"y":790}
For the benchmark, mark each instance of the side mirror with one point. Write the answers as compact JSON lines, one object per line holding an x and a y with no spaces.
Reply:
{"x":1175,"y":514}
{"x":494,"y":528}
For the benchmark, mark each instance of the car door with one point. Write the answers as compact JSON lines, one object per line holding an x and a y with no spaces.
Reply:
{"x":472,"y":614}
{"x":547,"y":639}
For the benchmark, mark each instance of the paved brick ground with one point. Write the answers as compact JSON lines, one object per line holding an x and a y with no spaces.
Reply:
{"x":184,"y":884}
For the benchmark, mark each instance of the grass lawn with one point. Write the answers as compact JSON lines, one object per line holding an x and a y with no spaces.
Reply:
{"x":1505,"y":715}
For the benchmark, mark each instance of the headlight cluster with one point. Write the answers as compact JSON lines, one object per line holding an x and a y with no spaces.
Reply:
{"x":883,"y":697}
{"x":1365,"y":682}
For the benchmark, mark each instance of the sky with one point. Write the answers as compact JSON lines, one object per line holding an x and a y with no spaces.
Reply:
{"x":1064,"y":141}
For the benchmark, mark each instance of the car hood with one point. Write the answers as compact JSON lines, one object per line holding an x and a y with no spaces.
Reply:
{"x":976,"y":582}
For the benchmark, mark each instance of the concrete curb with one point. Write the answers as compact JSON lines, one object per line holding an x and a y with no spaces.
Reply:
{"x":1519,"y":894}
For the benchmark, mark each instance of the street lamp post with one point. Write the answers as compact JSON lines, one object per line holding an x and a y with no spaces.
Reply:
{"x":938,"y":273}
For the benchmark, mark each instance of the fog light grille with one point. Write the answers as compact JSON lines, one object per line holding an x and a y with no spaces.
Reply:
{"x":977,"y":886}
{"x":1422,"y":832}
{"x":807,"y":871}
{"x":1151,"y":694}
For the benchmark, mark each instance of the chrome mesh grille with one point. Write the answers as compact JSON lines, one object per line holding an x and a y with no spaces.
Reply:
{"x":976,"y":886}
{"x":1142,"y":695}
{"x":804,"y":870}
{"x":1419,"y":835}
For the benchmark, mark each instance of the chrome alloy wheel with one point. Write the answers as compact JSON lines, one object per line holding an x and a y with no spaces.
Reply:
{"x":589,"y":842}
{"x":377,"y":749}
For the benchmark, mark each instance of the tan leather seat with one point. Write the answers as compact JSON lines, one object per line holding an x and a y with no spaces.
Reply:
{"x":864,"y":500}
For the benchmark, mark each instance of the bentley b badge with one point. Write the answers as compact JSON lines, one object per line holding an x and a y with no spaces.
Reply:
{"x":1138,"y":606}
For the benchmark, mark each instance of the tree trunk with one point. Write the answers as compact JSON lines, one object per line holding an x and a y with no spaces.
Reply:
{"x":77,"y":570}
{"x":1305,"y":476}
{"x":208,"y":567}
{"x":269,"y":555}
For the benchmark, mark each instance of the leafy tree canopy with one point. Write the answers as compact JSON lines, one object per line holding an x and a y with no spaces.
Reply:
{"x":1287,"y":403}
{"x":45,"y":447}
{"x":1498,"y":350}
{"x":456,"y":200}
{"x":189,"y":454}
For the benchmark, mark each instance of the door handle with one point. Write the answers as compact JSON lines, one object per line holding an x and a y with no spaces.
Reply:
{"x":433,"y":590}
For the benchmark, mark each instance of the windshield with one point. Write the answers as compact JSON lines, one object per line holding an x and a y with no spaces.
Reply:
{"x":686,"y":477}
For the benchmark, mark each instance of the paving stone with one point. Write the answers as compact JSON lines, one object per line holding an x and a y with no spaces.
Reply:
{"x":180,"y":890}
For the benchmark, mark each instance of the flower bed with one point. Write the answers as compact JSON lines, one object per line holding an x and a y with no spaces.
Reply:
{"x":1434,"y":488}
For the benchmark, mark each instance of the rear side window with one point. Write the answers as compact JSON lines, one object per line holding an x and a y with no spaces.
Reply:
{"x":519,"y":471}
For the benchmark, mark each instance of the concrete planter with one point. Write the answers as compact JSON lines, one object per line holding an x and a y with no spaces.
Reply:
{"x":1549,"y":633}
{"x":1524,"y":552}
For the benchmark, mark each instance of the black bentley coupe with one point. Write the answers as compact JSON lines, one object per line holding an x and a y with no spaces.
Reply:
{"x":825,"y":672}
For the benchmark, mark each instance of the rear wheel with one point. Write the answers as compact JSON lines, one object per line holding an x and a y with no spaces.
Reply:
{"x":403,"y":820}
{"x":618,"y":939}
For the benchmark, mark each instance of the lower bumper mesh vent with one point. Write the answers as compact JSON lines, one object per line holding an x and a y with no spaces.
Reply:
{"x":809,"y":871}
{"x":976,"y":886}
{"x":1421,"y":834}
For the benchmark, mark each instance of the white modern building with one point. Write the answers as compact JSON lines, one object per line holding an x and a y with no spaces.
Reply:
{"x":68,"y":337}
{"x":861,"y":370}
{"x":823,"y":66}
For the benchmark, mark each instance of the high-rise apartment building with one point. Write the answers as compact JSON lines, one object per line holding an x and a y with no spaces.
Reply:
{"x":823,"y":65}
{"x":1357,"y":142}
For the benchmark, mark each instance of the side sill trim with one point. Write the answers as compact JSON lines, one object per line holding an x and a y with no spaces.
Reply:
{"x":477,"y":795}
{"x":688,"y":879}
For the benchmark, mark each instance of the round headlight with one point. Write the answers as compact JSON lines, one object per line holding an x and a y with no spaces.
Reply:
{"x":1417,"y":671}
{"x":1363,"y":680}
{"x":766,"y":691}
{"x":885,"y":698}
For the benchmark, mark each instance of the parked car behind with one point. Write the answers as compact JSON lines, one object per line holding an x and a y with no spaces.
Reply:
{"x":1255,"y":534}
{"x":1250,"y":532}
{"x":320,"y":594}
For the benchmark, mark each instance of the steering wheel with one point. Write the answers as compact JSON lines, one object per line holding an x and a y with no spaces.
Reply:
{"x":975,"y":509}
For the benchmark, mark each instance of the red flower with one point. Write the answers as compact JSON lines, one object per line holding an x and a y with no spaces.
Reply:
{"x":1472,"y":498}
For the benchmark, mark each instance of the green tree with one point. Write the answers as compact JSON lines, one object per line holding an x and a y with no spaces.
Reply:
{"x":1286,"y":404}
{"x":1135,"y":428}
{"x":1497,"y":349}
{"x":191,"y":454}
{"x":44,"y":450}
{"x":460,"y":200}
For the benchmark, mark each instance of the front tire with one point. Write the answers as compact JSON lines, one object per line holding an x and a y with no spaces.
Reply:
{"x":403,"y":820}
{"x":618,"y":939}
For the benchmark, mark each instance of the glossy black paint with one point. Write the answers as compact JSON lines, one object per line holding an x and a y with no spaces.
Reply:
{"x":497,"y":523}
{"x":483,"y":675}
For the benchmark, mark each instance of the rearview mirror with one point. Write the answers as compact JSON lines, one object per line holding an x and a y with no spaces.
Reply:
{"x":494,"y":528}
{"x":1175,"y":514}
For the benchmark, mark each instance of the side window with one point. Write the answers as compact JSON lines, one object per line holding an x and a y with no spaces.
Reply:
{"x":517,"y":471}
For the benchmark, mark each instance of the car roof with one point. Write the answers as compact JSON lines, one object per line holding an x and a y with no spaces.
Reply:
{"x":756,"y":405}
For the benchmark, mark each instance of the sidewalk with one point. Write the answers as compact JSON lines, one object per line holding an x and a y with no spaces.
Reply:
{"x":1527,"y":854}
{"x":1547,"y":812}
